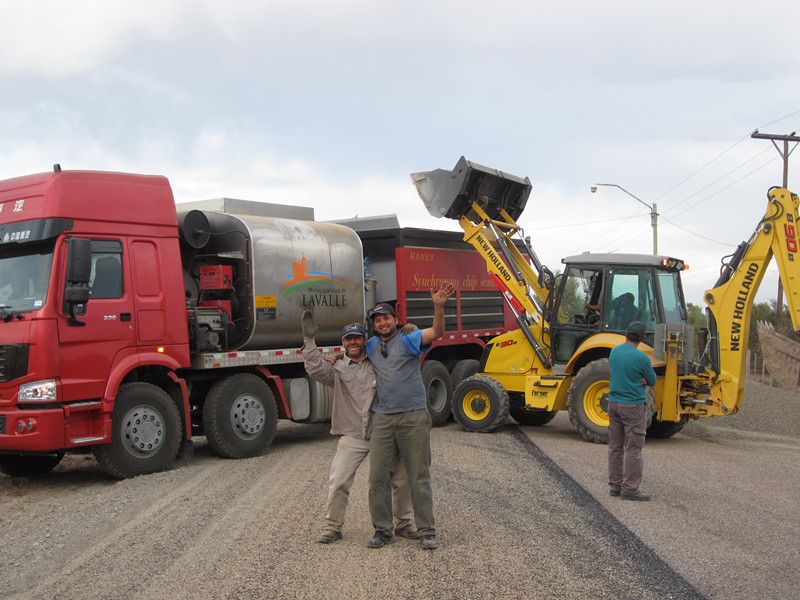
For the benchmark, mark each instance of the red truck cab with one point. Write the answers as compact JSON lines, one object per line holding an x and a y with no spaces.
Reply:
{"x":60,"y":374}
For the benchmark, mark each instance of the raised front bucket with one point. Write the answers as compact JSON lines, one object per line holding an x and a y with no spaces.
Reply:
{"x":450,"y":194}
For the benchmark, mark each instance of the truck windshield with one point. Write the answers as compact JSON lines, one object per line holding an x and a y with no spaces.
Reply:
{"x":24,"y":278}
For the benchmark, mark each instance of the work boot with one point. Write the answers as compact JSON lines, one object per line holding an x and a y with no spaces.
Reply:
{"x":380,"y":539}
{"x":329,"y":536}
{"x":428,"y":542}
{"x":637,"y":495}
{"x":407,"y":531}
{"x":614,"y":490}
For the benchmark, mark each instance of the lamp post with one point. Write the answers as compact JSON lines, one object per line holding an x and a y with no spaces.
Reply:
{"x":652,"y":207}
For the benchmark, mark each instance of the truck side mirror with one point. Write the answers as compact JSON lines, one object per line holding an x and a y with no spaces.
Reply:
{"x":79,"y":261}
{"x":79,"y":270}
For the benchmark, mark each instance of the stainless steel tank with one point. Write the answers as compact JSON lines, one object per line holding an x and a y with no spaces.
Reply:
{"x":298,"y":265}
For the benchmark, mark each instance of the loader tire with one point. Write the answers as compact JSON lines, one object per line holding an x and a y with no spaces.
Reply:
{"x":23,"y":465}
{"x":587,"y":400}
{"x":463,"y":369}
{"x":438,"y":390}
{"x":240,"y":416}
{"x":480,"y":404}
{"x":146,"y":432}
{"x":666,"y":429}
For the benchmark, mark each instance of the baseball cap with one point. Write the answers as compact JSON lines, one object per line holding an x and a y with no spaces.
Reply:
{"x":354,"y":329}
{"x":381,"y":309}
{"x":635,"y":331}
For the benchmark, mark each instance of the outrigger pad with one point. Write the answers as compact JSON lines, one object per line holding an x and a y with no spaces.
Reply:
{"x":450,"y":194}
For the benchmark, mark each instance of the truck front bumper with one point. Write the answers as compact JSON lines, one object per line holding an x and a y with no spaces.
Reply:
{"x":37,"y":430}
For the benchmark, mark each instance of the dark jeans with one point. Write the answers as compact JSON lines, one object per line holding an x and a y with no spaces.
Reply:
{"x":626,"y":431}
{"x":405,"y":435}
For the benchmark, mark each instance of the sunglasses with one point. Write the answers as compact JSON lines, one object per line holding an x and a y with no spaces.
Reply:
{"x":384,"y":350}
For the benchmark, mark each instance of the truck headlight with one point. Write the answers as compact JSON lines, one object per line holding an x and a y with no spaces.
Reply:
{"x":37,"y":391}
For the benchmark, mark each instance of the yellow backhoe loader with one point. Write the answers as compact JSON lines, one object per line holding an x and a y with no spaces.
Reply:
{"x":558,"y":357}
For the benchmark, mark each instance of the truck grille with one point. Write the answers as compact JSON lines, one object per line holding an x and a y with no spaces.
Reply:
{"x":13,"y":361}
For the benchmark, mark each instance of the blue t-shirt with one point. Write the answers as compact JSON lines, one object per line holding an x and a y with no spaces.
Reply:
{"x":628,"y":366}
{"x":398,"y":375}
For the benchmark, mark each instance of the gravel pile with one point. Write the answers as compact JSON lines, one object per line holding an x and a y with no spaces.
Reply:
{"x":765,"y":409}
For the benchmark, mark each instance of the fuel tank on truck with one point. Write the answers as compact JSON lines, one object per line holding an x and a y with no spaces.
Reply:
{"x":280,"y":267}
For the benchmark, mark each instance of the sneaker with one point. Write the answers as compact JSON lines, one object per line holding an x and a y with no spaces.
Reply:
{"x":428,"y":542}
{"x":408,"y":531}
{"x":380,"y":539}
{"x":637,"y":495}
{"x":614,"y":491}
{"x":328,"y":536}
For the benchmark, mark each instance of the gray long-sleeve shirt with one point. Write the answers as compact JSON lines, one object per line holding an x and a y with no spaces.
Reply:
{"x":353,"y":390}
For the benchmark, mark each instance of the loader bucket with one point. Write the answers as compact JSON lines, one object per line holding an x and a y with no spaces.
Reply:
{"x":450,"y":194}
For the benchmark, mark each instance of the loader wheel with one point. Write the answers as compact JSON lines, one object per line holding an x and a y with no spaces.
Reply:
{"x":666,"y":429}
{"x":240,"y":416}
{"x":480,"y":403}
{"x":529,"y":416}
{"x":22,"y":465}
{"x":587,"y":400}
{"x":145,"y":432}
{"x":439,"y":391}
{"x":463,"y":369}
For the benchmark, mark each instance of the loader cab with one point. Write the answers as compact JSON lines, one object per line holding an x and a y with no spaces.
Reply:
{"x":603,"y":293}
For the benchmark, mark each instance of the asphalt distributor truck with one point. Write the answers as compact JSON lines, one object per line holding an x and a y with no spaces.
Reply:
{"x":127,"y":327}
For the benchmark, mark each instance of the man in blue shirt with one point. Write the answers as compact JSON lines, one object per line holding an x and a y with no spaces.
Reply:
{"x":401,"y":423}
{"x":631,"y":372}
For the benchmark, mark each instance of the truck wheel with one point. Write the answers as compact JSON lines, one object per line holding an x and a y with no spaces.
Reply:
{"x":21,"y":465}
{"x":480,"y":403}
{"x":587,"y":401}
{"x":145,"y":432}
{"x":666,"y":429}
{"x":439,"y":391}
{"x":531,"y":416}
{"x":240,"y":416}
{"x":463,"y":369}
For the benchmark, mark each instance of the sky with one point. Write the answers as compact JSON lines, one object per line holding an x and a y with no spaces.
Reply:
{"x":332,"y":104}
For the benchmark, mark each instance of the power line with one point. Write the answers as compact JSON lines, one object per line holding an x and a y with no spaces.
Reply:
{"x":580,"y":224}
{"x":697,"y":234}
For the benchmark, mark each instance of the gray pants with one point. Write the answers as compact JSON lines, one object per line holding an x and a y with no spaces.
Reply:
{"x":407,"y":436}
{"x":626,"y":431}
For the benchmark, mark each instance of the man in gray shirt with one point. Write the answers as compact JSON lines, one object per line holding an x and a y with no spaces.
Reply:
{"x":401,"y":423}
{"x":353,"y":382}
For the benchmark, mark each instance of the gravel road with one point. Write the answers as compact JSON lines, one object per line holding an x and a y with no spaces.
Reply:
{"x":511,"y":525}
{"x":522,"y":513}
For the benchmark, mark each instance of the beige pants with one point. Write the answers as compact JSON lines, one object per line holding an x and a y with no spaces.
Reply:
{"x":350,"y":453}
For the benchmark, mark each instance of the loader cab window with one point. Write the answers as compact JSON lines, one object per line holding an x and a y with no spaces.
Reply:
{"x":581,"y":297}
{"x":630,"y":296}
{"x":672,"y":298}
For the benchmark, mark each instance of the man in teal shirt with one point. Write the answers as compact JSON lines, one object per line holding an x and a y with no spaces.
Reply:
{"x":631,"y":372}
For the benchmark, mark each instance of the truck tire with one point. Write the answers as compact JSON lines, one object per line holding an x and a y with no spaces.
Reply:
{"x":587,"y":401}
{"x":480,"y":404}
{"x":438,"y":390}
{"x":146,"y":432}
{"x":666,"y":429}
{"x":531,"y":416}
{"x":463,"y":369}
{"x":240,"y":416}
{"x":22,"y":465}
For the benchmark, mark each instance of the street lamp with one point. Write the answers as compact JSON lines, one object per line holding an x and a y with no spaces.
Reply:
{"x":653,"y":211}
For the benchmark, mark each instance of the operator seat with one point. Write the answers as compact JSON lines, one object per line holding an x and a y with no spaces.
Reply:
{"x":107,"y":278}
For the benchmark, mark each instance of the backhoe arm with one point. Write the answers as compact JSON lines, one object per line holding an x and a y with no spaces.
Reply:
{"x":731,"y":301}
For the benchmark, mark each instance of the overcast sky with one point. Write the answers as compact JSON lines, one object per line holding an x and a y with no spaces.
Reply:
{"x":333,"y":104}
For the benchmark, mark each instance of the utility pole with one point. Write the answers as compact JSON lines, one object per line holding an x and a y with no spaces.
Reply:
{"x":652,"y":207}
{"x":773,"y":137}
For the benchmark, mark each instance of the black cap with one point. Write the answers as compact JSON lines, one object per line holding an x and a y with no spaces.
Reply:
{"x":635,"y":331}
{"x":381,"y":309}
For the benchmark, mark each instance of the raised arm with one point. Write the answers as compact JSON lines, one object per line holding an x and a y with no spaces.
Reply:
{"x":316,"y":367}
